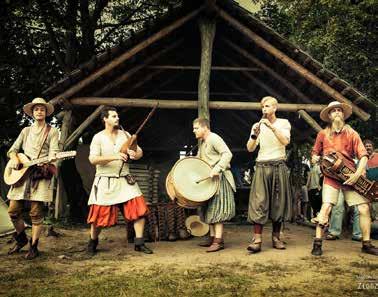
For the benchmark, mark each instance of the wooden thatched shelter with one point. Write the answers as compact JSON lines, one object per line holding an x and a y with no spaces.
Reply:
{"x":201,"y":56}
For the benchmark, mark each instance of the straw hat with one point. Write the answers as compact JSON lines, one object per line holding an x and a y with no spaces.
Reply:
{"x":347,"y":109}
{"x":196,"y":227}
{"x":28,"y":108}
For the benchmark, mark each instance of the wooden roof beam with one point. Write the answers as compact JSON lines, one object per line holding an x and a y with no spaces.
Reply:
{"x":189,"y":104}
{"x":124,"y":77}
{"x":309,"y":120}
{"x":256,"y":81}
{"x":217,"y":68}
{"x":290,"y":62}
{"x":125,"y":56}
{"x":269,"y":70}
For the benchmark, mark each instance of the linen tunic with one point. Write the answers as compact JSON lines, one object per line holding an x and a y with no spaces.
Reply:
{"x":110,"y":186}
{"x":214,"y":151}
{"x":221,"y":207}
{"x":29,"y":142}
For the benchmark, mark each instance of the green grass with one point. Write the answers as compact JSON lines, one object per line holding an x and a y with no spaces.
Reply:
{"x":234,"y":279}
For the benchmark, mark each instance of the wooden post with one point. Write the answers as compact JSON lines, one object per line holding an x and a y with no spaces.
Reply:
{"x":309,"y":120}
{"x":290,"y":63}
{"x":125,"y":56}
{"x":61,"y":195}
{"x":207,"y":29}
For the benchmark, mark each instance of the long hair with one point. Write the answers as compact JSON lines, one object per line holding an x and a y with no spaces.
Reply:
{"x":329,"y":133}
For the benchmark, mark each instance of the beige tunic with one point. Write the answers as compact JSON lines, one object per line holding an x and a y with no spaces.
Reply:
{"x":215,"y":151}
{"x":110,"y":186}
{"x":29,"y":142}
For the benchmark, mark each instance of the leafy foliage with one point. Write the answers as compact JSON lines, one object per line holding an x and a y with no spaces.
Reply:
{"x":342,"y":35}
{"x":43,"y":40}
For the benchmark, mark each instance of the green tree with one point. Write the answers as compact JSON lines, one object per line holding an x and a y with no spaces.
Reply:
{"x":342,"y":35}
{"x":43,"y":40}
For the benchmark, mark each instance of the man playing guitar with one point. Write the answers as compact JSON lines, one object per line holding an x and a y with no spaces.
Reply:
{"x":38,"y":140}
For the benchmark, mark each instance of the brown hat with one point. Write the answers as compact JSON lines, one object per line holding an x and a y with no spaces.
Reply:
{"x":347,"y":109}
{"x":195,"y":226}
{"x":28,"y":108}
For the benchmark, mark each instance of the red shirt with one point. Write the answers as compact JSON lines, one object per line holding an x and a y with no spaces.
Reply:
{"x":347,"y":142}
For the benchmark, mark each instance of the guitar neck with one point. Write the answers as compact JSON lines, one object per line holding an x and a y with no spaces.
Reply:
{"x":36,"y":161}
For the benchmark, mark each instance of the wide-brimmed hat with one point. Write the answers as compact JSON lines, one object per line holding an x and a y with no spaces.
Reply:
{"x":347,"y":109}
{"x":28,"y":108}
{"x":195,"y":226}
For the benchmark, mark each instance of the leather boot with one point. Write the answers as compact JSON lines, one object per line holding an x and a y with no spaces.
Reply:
{"x":217,"y":245}
{"x":33,"y":250}
{"x":254,"y":247}
{"x":21,"y":241}
{"x":278,"y":243}
{"x":368,"y":248}
{"x":207,"y":242}
{"x":141,"y":247}
{"x":317,"y":247}
{"x":92,"y":246}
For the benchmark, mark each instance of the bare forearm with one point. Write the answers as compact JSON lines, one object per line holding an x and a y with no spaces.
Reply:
{"x":102,"y":160}
{"x":362,"y":165}
{"x":251,"y":145}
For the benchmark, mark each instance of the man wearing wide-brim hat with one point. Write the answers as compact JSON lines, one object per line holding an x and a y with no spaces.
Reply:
{"x":340,"y":137}
{"x":37,"y":141}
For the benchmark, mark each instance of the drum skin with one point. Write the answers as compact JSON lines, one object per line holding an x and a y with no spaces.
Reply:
{"x":181,"y":182}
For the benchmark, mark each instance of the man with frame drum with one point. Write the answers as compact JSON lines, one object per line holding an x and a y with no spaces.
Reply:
{"x":221,"y":207}
{"x":113,"y":187}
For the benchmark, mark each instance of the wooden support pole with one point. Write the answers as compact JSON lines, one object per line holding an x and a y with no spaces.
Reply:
{"x":125,"y":56}
{"x":291,"y":63}
{"x":61,"y":194}
{"x":190,"y":104}
{"x":309,"y":120}
{"x":207,"y":29}
{"x":218,"y":68}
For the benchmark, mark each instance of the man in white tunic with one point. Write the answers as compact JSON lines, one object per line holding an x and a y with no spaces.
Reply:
{"x":113,"y":187}
{"x":270,"y":196}
{"x":37,"y":141}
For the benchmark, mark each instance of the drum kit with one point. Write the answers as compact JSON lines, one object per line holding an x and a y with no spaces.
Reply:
{"x":189,"y":183}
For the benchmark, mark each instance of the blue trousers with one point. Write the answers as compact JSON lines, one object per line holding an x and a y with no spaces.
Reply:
{"x":337,"y":215}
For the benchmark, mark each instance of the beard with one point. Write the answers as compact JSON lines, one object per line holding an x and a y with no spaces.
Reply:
{"x":337,"y":124}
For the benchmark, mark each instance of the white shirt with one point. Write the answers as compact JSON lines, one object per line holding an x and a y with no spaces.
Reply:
{"x":270,"y":147}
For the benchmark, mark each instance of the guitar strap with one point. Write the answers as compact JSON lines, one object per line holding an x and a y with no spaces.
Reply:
{"x":47,"y":130}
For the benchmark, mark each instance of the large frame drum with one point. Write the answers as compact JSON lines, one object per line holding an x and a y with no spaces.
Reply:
{"x":186,"y":182}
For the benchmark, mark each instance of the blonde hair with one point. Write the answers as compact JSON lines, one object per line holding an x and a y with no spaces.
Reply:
{"x":270,"y":99}
{"x":202,"y":122}
{"x":329,"y":133}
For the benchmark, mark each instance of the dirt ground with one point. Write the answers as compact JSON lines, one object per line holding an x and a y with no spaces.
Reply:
{"x":182,"y":268}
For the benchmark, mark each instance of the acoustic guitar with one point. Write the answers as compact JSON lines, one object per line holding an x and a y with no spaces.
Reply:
{"x":12,"y":176}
